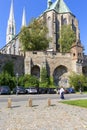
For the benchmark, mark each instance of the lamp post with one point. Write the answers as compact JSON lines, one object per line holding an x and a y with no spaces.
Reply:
{"x":17,"y":84}
{"x":80,"y":87}
{"x":17,"y":79}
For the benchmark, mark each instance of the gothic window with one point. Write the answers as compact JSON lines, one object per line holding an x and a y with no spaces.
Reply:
{"x":64,"y":21}
{"x":53,"y":17}
{"x":13,"y":48}
{"x":73,"y":26}
{"x":12,"y":30}
{"x":49,"y":25}
{"x":9,"y":50}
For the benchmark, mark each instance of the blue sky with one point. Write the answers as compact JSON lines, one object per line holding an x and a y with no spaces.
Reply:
{"x":36,"y":7}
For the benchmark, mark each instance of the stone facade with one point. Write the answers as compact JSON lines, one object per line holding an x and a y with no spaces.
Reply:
{"x":54,"y":22}
{"x":58,"y":65}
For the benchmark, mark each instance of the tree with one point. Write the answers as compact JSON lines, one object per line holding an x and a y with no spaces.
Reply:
{"x":28,"y":81}
{"x":24,"y":38}
{"x":67,"y":38}
{"x":7,"y":79}
{"x":51,"y":82}
{"x":78,"y":81}
{"x":34,"y":37}
{"x":44,"y":78}
{"x":9,"y":68}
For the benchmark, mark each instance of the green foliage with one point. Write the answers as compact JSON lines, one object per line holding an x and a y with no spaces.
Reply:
{"x":45,"y":85}
{"x":28,"y":81}
{"x":7,"y":79}
{"x":51,"y":82}
{"x":24,"y":38}
{"x":44,"y":78}
{"x":67,"y":38}
{"x":9,"y":68}
{"x":34,"y":36}
{"x":21,"y":80}
{"x":78,"y":81}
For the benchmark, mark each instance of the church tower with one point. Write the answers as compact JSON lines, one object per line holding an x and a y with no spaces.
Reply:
{"x":11,"y":25}
{"x":56,"y":15}
{"x":23,"y":18}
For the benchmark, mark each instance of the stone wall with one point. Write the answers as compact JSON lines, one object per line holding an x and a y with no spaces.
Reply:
{"x":18,"y":62}
{"x":58,"y":65}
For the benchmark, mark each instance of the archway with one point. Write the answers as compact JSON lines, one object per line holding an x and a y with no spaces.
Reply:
{"x":60,"y":76}
{"x":35,"y":70}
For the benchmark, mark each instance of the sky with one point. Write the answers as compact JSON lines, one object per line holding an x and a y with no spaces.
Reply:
{"x":35,"y":8}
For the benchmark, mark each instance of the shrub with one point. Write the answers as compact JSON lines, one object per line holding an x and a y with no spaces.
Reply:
{"x":78,"y":81}
{"x":29,"y":80}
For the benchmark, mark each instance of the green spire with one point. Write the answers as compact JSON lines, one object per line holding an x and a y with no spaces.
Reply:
{"x":59,"y":6}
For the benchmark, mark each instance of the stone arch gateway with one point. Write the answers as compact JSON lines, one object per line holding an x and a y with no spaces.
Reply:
{"x":60,"y":76}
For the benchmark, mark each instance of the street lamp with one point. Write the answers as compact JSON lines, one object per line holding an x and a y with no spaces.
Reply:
{"x":80,"y":87}
{"x":17,"y":83}
{"x":17,"y":78}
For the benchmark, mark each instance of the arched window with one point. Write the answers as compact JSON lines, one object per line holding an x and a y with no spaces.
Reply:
{"x":64,"y":21}
{"x":12,"y":30}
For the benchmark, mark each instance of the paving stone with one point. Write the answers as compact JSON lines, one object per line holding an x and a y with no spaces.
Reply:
{"x":58,"y":116}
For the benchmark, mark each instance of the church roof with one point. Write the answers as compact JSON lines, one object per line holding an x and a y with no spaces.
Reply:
{"x":59,"y":6}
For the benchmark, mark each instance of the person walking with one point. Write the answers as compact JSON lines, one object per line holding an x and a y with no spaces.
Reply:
{"x":62,"y":93}
{"x":17,"y":90}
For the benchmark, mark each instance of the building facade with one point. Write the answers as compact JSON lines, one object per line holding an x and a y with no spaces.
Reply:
{"x":58,"y":65}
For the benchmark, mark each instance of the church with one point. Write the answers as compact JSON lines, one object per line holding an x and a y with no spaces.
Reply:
{"x":58,"y":65}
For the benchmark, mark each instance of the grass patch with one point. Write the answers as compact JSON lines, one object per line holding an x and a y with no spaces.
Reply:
{"x":80,"y":103}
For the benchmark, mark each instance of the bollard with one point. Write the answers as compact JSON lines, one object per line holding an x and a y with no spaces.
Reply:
{"x":9,"y":103}
{"x":30,"y":102}
{"x":49,"y":102}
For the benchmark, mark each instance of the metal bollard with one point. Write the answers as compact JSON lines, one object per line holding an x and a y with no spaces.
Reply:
{"x":30,"y":102}
{"x":9,"y":102}
{"x":49,"y":102}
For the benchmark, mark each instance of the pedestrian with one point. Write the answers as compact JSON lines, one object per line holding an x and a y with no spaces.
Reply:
{"x":80,"y":90}
{"x":62,"y":93}
{"x":17,"y":90}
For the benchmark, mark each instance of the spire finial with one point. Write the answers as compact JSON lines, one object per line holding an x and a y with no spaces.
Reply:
{"x":23,"y":18}
{"x":11,"y":16}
